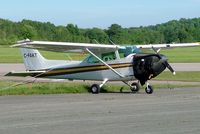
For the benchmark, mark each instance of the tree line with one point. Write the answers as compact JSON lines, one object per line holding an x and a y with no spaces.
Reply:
{"x":175,"y":31}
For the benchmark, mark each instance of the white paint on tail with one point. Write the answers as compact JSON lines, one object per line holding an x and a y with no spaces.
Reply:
{"x":33,"y":60}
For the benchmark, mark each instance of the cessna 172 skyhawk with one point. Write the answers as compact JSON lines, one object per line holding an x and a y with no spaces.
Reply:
{"x":105,"y":63}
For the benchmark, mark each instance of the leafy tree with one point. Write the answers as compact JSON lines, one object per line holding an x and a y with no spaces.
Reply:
{"x":98,"y":35}
{"x":184,"y":30}
{"x":115,"y":33}
{"x":73,"y":29}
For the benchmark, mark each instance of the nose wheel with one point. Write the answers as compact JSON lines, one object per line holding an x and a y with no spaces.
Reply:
{"x":149,"y":89}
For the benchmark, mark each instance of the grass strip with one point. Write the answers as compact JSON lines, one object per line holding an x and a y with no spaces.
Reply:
{"x":64,"y":88}
{"x":180,"y":76}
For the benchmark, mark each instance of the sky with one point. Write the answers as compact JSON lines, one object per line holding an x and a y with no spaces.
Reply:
{"x":100,"y":13}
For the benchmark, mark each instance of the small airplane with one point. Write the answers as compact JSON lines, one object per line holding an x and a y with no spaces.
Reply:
{"x":104,"y":63}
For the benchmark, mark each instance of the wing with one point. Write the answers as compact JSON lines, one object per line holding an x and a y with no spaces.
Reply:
{"x":66,"y":46}
{"x":95,"y":48}
{"x":168,"y":45}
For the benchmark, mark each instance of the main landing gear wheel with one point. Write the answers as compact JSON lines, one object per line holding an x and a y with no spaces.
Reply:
{"x":135,"y":87}
{"x":149,"y":89}
{"x":95,"y":88}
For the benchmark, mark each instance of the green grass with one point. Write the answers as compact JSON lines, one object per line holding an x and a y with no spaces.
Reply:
{"x":63,"y":56}
{"x":63,"y":88}
{"x":187,"y":55}
{"x":181,"y":55}
{"x":13,"y":55}
{"x":12,"y":88}
{"x":10,"y":55}
{"x":74,"y":87}
{"x":180,"y":76}
{"x":9,"y":88}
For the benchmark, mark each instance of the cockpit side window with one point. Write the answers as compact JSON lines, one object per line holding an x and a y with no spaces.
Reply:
{"x":105,"y":57}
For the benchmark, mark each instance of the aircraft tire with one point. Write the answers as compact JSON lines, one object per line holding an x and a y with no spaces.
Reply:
{"x":95,"y":88}
{"x":149,"y":89}
{"x":135,"y":87}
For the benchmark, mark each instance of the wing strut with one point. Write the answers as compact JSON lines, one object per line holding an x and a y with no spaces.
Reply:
{"x":120,"y":75}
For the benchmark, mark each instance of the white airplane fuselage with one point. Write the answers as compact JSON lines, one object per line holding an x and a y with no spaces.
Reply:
{"x":81,"y":70}
{"x":105,"y":63}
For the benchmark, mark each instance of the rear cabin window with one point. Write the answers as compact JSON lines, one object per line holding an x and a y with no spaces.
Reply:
{"x":92,"y":59}
{"x":108,"y":56}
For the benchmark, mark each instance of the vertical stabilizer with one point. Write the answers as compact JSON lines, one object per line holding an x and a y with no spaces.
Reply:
{"x":33,"y":60}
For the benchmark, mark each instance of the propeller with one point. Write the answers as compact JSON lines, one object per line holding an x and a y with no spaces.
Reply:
{"x":169,"y":67}
{"x":165,"y":62}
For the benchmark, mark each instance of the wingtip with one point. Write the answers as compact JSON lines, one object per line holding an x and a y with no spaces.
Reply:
{"x":20,"y":43}
{"x":174,"y":73}
{"x":15,"y":45}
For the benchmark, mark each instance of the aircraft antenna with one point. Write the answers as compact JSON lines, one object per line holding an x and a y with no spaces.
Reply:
{"x":96,"y":41}
{"x":111,"y":42}
{"x":116,"y":52}
{"x":69,"y":57}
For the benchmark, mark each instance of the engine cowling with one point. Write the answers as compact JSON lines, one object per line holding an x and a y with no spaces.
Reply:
{"x":147,"y":66}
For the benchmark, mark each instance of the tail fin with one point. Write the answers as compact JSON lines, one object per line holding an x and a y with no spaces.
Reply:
{"x":33,"y":60}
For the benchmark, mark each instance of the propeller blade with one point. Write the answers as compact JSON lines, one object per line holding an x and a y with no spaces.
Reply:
{"x":157,"y":51}
{"x":170,"y":68}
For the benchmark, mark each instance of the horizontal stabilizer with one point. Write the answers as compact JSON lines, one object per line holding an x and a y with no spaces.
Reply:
{"x":25,"y":73}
